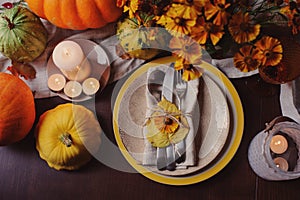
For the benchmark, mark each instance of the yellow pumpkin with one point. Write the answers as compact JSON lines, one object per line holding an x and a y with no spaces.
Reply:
{"x":67,"y":136}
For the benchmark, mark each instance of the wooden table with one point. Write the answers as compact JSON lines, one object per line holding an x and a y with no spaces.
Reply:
{"x":23,"y":175}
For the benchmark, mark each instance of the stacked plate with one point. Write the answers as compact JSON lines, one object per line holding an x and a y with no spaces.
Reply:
{"x":219,"y":132}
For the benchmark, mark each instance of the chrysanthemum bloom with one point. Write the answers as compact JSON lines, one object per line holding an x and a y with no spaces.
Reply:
{"x":242,"y":28}
{"x":191,"y":72}
{"x":132,"y":7}
{"x":175,"y":23}
{"x":207,"y":30}
{"x":218,"y":9}
{"x":187,"y":49}
{"x":270,"y":50}
{"x":246,"y":59}
{"x":293,"y":18}
{"x":189,"y":8}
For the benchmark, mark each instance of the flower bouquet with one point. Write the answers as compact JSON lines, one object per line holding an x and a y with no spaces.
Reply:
{"x":257,"y":34}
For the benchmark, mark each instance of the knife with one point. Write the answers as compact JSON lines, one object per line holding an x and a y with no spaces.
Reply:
{"x":167,"y":93}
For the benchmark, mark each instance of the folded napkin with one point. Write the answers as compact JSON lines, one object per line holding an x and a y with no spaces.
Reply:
{"x":227,"y":66}
{"x":104,"y":36}
{"x":189,"y":106}
{"x":286,"y":102}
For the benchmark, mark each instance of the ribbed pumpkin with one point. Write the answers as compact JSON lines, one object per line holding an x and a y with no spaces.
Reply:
{"x":17,"y":110}
{"x":23,"y":37}
{"x":76,"y":15}
{"x":67,"y":135}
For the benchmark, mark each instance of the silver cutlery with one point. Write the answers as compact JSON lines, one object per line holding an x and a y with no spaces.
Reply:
{"x":167,"y":93}
{"x":180,"y":88}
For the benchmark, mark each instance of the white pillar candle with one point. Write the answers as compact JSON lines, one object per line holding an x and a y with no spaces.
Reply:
{"x":56,"y":82}
{"x":90,"y":86}
{"x":70,"y":59}
{"x":73,"y":89}
{"x":278,"y":144}
{"x":281,"y":163}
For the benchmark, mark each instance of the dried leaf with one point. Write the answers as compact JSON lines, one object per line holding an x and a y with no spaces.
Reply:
{"x":22,"y":69}
{"x":169,"y":129}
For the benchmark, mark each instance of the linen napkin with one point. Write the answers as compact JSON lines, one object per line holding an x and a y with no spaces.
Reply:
{"x":189,"y":106}
{"x":286,"y":102}
{"x":227,"y":66}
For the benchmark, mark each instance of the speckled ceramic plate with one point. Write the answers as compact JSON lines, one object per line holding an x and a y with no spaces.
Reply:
{"x":220,"y":127}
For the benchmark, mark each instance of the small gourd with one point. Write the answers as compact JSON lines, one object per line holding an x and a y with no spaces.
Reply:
{"x":67,"y":136}
{"x":23,"y":36}
{"x":141,"y":40}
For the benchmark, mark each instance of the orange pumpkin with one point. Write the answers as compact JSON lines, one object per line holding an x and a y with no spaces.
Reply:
{"x":76,"y":15}
{"x":17,"y":110}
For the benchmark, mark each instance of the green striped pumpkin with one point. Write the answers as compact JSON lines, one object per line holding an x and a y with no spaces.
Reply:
{"x":23,"y":36}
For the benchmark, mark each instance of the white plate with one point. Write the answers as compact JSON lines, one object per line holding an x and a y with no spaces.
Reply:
{"x":213,"y":156}
{"x":213,"y":125}
{"x":99,"y":64}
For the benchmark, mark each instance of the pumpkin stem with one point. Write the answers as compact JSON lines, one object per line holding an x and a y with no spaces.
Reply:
{"x":10,"y":24}
{"x":65,"y":138}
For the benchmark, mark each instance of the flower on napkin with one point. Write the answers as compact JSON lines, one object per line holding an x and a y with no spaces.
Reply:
{"x":166,"y":125}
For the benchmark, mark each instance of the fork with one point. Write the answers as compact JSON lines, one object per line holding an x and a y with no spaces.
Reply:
{"x":180,"y":89}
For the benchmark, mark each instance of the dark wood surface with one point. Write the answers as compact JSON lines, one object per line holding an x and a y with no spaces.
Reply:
{"x":23,"y":175}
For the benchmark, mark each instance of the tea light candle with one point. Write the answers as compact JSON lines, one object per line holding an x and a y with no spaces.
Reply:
{"x":73,"y":89}
{"x":70,"y":59}
{"x":56,"y":82}
{"x":90,"y":86}
{"x":281,"y":163}
{"x":278,"y":144}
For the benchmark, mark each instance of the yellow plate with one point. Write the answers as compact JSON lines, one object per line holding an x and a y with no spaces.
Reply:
{"x":227,"y":154}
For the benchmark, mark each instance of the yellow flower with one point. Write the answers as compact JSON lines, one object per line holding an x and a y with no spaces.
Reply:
{"x":242,"y":29}
{"x":246,"y":59}
{"x":191,"y":72}
{"x":132,"y":7}
{"x":167,"y":125}
{"x":217,"y":9}
{"x":173,"y":20}
{"x":207,"y":30}
{"x":270,"y":50}
{"x":187,"y":49}
{"x":189,"y":9}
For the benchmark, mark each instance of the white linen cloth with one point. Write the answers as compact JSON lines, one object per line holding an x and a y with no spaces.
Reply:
{"x":286,"y":94}
{"x":189,"y":107}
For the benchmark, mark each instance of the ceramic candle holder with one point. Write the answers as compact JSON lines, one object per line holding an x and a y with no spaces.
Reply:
{"x":267,"y":164}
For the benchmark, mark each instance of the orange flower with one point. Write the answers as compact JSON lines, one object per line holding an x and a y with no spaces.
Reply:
{"x":190,"y":8}
{"x":242,"y":29}
{"x":191,"y":72}
{"x":270,"y":50}
{"x":175,"y":22}
{"x":187,"y":49}
{"x":246,"y":59}
{"x":207,"y":30}
{"x":218,"y":9}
